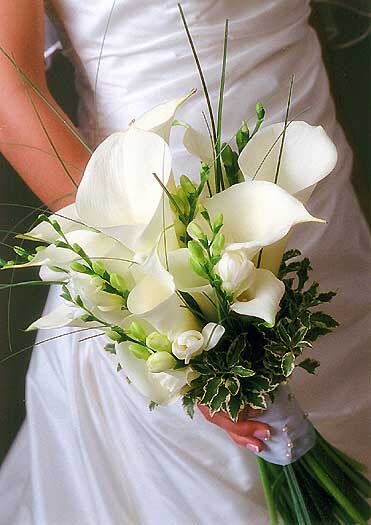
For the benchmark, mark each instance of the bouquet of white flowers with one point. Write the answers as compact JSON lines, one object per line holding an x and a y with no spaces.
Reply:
{"x":190,"y":283}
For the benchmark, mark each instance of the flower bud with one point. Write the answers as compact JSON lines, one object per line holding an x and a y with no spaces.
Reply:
{"x":260,"y":111}
{"x":160,"y":362}
{"x":242,"y":137}
{"x":198,"y":268}
{"x":98,"y":268}
{"x":197,"y":252}
{"x":218,"y":223}
{"x":118,"y":282}
{"x":139,"y":351}
{"x":137,"y":331}
{"x":218,"y":244}
{"x":195,"y":231}
{"x":158,"y":342}
{"x":187,"y":185}
{"x":80,"y":268}
{"x":235,"y":270}
{"x":188,"y":344}
{"x":114,"y":336}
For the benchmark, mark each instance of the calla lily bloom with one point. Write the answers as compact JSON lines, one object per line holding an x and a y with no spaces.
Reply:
{"x":256,"y":214}
{"x":309,"y":155}
{"x":262,"y":297}
{"x":118,"y":187}
{"x":160,"y":118}
{"x":163,"y":388}
{"x":154,"y":299}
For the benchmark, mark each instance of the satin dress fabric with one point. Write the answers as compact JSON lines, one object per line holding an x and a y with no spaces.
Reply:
{"x":90,"y":451}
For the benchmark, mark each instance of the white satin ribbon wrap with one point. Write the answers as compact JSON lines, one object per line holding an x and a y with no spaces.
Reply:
{"x":292,"y":434}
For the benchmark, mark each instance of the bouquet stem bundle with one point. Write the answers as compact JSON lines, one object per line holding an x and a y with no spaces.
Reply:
{"x":324,"y":486}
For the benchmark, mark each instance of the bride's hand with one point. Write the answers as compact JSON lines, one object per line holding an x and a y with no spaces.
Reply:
{"x":246,"y":432}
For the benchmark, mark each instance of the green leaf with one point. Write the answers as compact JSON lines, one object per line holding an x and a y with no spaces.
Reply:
{"x":255,"y":400}
{"x":283,"y":335}
{"x":241,"y":371}
{"x":288,"y":363}
{"x":211,"y":389}
{"x":235,"y":350}
{"x":324,"y":319}
{"x":309,"y":365}
{"x":258,"y":384}
{"x":189,"y":406}
{"x":233,"y":385}
{"x":234,"y":407}
{"x":110,"y":347}
{"x":152,"y":406}
{"x":222,"y":397}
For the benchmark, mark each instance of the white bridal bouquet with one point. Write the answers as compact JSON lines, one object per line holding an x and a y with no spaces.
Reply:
{"x":190,"y":284}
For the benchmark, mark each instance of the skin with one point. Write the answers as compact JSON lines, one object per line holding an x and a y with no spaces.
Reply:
{"x":24,"y":143}
{"x":22,"y":139}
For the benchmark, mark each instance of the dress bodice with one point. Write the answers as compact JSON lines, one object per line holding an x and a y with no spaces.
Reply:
{"x":146,"y":58}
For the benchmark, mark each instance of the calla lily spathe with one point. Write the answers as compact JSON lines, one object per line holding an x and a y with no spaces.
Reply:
{"x":160,"y":118}
{"x":309,"y":155}
{"x":118,"y":187}
{"x":256,"y":214}
{"x":262,"y":297}
{"x":163,"y":388}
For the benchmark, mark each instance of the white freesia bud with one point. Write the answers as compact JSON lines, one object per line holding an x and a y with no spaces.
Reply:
{"x":192,"y":342}
{"x":235,"y":270}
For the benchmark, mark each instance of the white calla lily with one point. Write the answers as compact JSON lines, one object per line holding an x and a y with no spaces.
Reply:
{"x":163,"y":388}
{"x":308,"y":156}
{"x":256,"y":214}
{"x":154,"y":299}
{"x":160,"y":118}
{"x":118,"y":187}
{"x":262,"y":298}
{"x":186,"y":280}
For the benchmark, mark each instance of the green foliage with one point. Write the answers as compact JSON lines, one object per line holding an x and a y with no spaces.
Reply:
{"x":252,"y":360}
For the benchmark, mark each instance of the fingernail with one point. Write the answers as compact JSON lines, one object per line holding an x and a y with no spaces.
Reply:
{"x":253,"y":448}
{"x":262,"y":434}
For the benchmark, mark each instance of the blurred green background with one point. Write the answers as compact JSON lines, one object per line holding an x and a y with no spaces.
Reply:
{"x":343,"y":28}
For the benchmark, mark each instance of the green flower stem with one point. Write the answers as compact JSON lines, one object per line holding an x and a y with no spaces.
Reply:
{"x":361,"y":483}
{"x":333,"y":489}
{"x":263,"y":471}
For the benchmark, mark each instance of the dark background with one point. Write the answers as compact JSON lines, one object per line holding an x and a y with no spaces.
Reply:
{"x":349,"y":67}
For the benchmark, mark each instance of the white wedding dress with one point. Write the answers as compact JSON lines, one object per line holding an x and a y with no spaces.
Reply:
{"x":90,"y":452}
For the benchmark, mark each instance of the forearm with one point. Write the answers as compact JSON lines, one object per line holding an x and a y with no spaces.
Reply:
{"x":24,"y":143}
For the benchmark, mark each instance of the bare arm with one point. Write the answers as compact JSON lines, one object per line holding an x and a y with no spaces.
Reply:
{"x":22,"y":138}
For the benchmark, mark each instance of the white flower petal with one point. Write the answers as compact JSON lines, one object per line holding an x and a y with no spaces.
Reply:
{"x":263,"y":297}
{"x":160,"y":118}
{"x":309,"y":155}
{"x":212,"y":333}
{"x":68,"y":220}
{"x":184,"y":277}
{"x":198,"y":144}
{"x":162,"y":388}
{"x":256,"y":214}
{"x":118,"y":186}
{"x":61,"y":316}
